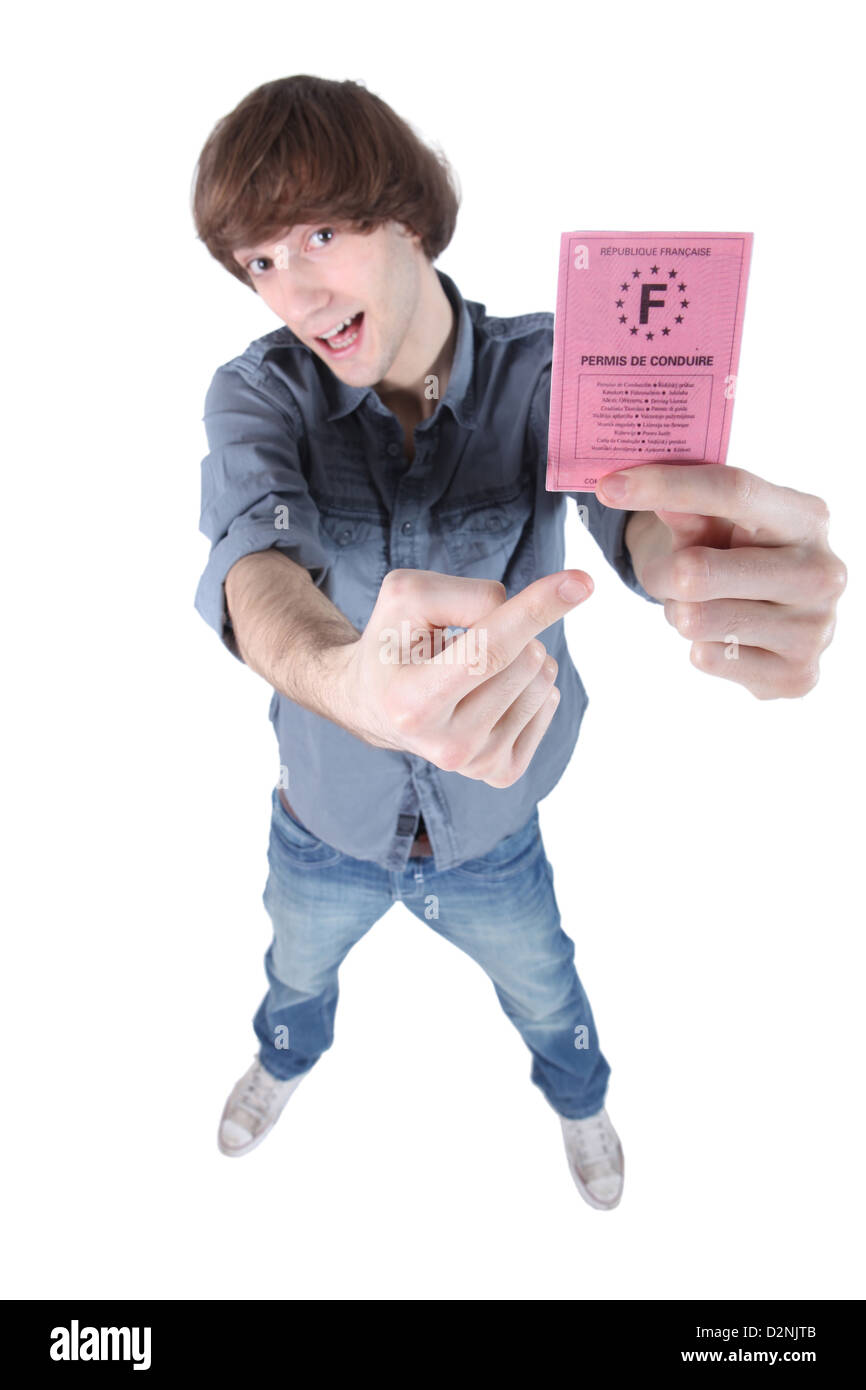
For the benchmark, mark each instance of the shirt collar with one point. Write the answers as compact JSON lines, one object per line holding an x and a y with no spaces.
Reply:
{"x":459,"y":393}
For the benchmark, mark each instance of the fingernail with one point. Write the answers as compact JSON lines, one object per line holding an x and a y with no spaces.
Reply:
{"x":615,"y":486}
{"x":572,"y":590}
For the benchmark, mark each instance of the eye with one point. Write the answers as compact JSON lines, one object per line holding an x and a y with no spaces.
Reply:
{"x":266,"y":260}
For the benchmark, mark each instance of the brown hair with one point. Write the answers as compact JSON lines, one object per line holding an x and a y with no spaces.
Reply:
{"x":303,"y":148}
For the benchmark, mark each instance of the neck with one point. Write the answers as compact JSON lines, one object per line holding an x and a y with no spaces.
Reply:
{"x":429,"y":352}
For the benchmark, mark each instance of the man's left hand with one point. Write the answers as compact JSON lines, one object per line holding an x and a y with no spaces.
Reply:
{"x":744,"y":568}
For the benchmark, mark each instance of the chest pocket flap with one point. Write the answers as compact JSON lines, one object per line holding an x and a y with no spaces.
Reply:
{"x":485,"y":525}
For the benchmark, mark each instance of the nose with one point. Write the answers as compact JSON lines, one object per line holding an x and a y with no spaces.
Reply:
{"x":300,"y":297}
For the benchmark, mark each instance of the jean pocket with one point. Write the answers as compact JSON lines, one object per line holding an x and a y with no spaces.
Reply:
{"x":295,"y":841}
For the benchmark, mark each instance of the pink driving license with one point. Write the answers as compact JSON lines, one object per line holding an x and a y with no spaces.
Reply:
{"x":646,"y":343}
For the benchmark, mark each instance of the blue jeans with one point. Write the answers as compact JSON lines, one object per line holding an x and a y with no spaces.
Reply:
{"x":499,"y":909}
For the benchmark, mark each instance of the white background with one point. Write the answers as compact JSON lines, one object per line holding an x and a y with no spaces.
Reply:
{"x":707,"y":847}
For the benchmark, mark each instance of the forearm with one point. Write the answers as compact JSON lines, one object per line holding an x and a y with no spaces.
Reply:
{"x":289,"y":632}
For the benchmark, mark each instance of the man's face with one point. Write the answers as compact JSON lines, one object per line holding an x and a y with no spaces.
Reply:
{"x":321,"y":274}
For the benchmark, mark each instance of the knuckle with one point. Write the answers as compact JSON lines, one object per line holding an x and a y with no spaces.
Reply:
{"x":533,"y":696}
{"x":403,"y":715}
{"x":820,"y":512}
{"x":824,"y":633}
{"x":688,"y":619}
{"x":802,"y":678}
{"x":520,"y":764}
{"x":838,"y":577}
{"x":812,"y":637}
{"x":690,"y":571}
{"x":802,"y":645}
{"x":496,"y":780}
{"x":831,"y":576}
{"x":536,"y":614}
{"x":483,"y":769}
{"x":737,"y":623}
{"x":496,"y":589}
{"x":495,"y":659}
{"x":398,"y":581}
{"x":451,"y":754}
{"x":743,"y":485}
{"x":531,"y":664}
{"x":811,"y":676}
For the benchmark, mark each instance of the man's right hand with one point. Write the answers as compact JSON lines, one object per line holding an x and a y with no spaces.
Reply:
{"x":481,"y":701}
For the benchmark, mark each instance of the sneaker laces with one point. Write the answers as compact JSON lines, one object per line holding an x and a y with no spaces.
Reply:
{"x":257,"y":1093}
{"x":593,"y":1140}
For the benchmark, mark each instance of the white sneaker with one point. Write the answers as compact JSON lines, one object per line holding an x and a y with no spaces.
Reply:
{"x":595,"y":1159}
{"x":252,"y":1109}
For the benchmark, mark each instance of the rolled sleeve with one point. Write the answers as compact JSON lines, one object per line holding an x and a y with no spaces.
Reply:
{"x":253,"y":492}
{"x":606,"y":525}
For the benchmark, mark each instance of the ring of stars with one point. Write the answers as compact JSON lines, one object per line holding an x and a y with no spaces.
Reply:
{"x":679,"y":318}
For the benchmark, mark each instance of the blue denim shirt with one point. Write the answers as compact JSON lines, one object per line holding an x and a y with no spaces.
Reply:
{"x":284,"y":432}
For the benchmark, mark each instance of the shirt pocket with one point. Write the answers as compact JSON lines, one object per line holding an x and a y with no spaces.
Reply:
{"x":481,"y":532}
{"x":358,"y":544}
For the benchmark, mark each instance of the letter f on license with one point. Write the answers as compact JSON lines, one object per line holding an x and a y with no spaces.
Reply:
{"x":646,"y":303}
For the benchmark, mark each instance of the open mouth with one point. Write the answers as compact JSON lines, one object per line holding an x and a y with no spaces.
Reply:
{"x":346,"y":338}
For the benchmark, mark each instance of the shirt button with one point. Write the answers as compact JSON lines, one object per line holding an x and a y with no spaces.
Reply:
{"x":406,"y":527}
{"x":393,"y":450}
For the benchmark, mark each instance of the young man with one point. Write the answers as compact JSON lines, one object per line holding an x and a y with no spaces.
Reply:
{"x":375,"y":479}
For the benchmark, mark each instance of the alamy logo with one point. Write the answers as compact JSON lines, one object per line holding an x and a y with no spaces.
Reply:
{"x":102,"y":1344}
{"x":418,"y":645}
